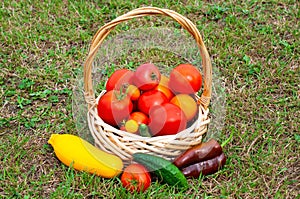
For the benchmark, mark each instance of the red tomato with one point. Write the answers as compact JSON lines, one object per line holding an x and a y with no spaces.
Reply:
{"x":146,"y":76}
{"x":136,"y":178}
{"x":149,"y":99}
{"x":140,"y":117}
{"x":119,"y":78}
{"x":167,"y":119}
{"x":113,"y":108}
{"x":185,"y":78}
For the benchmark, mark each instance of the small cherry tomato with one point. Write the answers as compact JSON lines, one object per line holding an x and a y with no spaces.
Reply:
{"x":140,"y":117}
{"x":149,"y":99}
{"x":131,"y":126}
{"x":113,"y":107}
{"x":166,"y":119}
{"x":187,"y":104}
{"x":146,"y":76}
{"x":119,"y":78}
{"x":136,"y":178}
{"x":185,"y":78}
{"x":133,"y":92}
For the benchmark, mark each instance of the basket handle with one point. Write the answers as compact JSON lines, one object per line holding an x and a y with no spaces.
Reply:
{"x":102,"y":33}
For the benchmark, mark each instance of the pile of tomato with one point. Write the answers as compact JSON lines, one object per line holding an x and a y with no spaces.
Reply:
{"x":166,"y":105}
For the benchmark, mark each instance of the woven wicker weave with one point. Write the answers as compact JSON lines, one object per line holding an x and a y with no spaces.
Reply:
{"x":125,"y":144}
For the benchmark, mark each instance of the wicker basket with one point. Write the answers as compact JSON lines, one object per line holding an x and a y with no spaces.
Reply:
{"x":124,"y":144}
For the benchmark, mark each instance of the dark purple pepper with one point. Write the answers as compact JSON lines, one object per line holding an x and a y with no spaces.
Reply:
{"x":205,"y":167}
{"x":204,"y":151}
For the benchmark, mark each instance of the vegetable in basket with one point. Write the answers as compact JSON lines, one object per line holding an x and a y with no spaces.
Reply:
{"x":114,"y":106}
{"x":167,"y":119}
{"x":119,"y":78}
{"x":131,"y":126}
{"x":140,"y":117}
{"x":187,"y":104}
{"x":150,"y":99}
{"x":132,"y":91}
{"x":144,"y":130}
{"x":146,"y":76}
{"x":185,"y":78}
{"x":164,"y":88}
{"x":76,"y":152}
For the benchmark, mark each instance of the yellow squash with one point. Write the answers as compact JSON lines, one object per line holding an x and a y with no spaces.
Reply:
{"x":83,"y":156}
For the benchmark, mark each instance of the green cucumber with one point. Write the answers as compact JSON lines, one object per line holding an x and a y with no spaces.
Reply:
{"x":163,"y":169}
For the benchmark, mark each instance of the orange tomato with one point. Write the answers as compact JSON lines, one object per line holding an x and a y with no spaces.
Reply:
{"x":133,"y":92}
{"x":187,"y":104}
{"x":140,"y":117}
{"x":164,"y":88}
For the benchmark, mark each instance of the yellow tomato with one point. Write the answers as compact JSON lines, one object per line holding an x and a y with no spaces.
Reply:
{"x":187,"y":104}
{"x":164,"y":80}
{"x":131,"y":126}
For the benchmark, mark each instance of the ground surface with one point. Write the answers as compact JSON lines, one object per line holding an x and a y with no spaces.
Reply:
{"x":254,"y":44}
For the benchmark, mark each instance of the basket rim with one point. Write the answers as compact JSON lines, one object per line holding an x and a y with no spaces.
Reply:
{"x":104,"y":31}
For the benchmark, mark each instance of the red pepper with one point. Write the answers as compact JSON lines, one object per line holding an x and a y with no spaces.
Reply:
{"x":204,"y":151}
{"x":205,"y":167}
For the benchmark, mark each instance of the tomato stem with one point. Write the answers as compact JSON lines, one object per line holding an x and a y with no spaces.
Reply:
{"x":122,"y":92}
{"x":153,"y":76}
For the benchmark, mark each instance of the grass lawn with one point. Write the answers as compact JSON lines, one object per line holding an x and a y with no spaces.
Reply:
{"x":253,"y":44}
